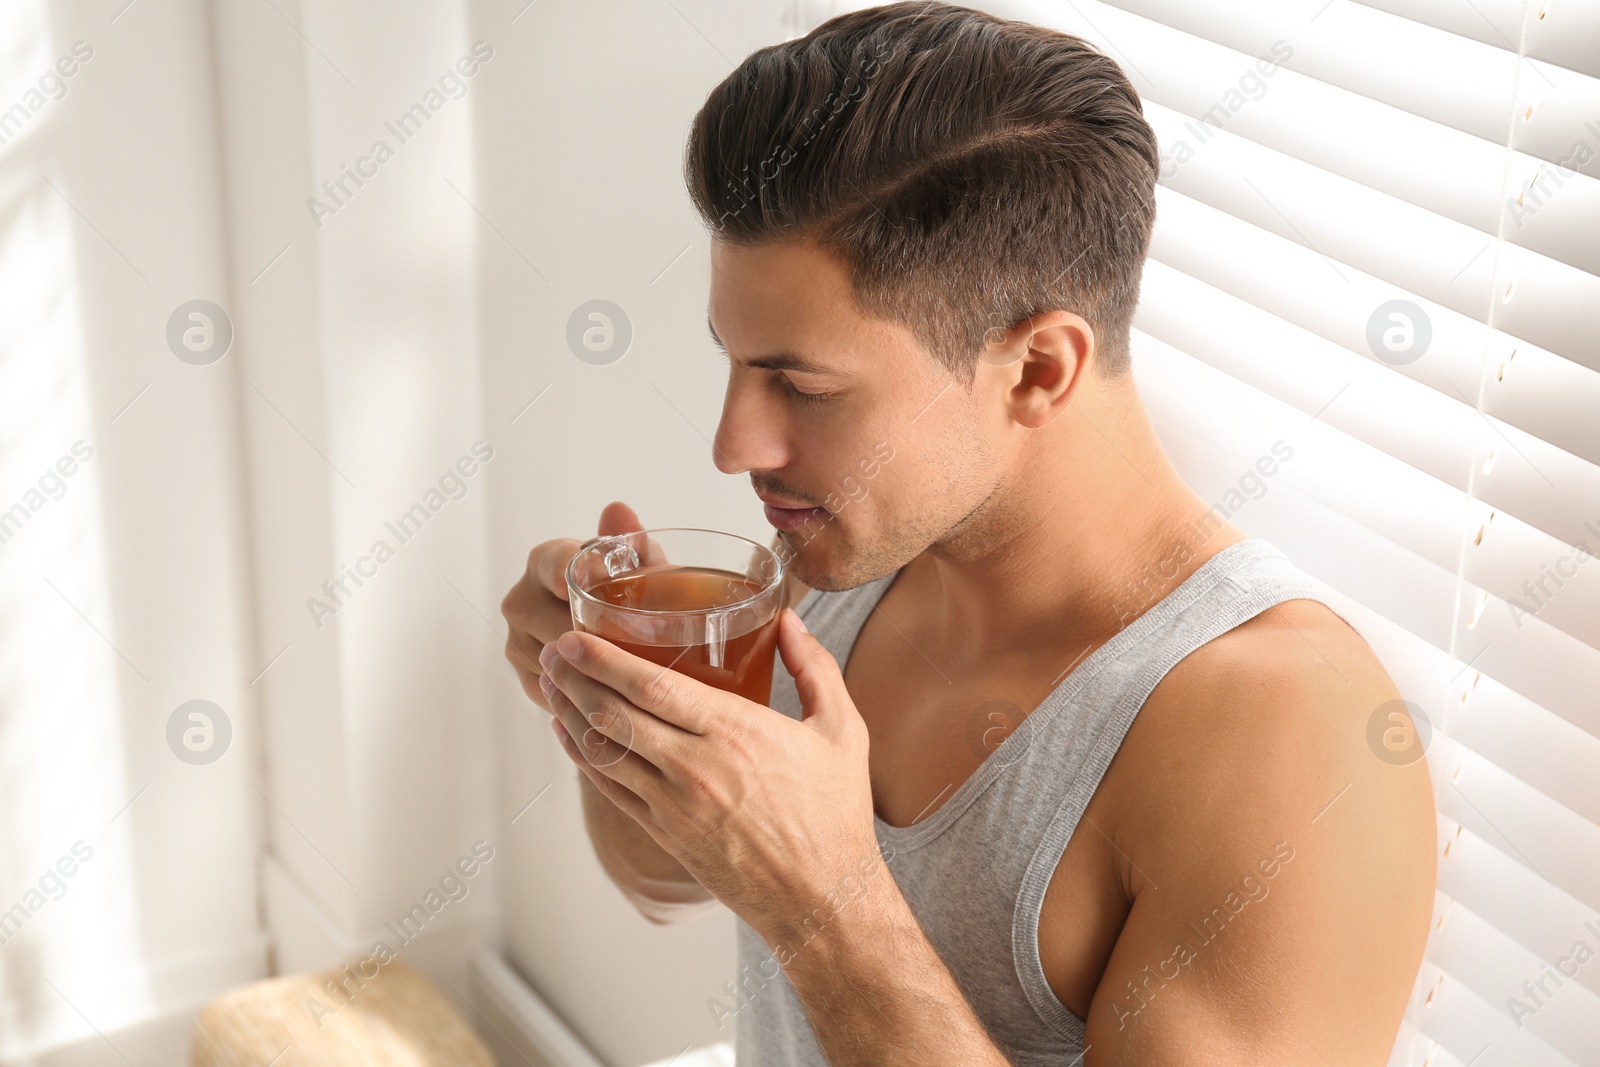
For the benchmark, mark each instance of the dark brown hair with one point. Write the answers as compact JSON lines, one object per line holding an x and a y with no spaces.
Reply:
{"x":971,"y":171}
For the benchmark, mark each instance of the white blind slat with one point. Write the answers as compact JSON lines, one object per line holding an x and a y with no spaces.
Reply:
{"x":1494,"y":967}
{"x":1291,"y":282}
{"x":1413,"y":169}
{"x":1466,"y":1025}
{"x":1513,"y":472}
{"x":1421,"y":597}
{"x":1540,"y":918}
{"x":1350,"y":225}
{"x":1544,"y":664}
{"x":1527,"y":740}
{"x":1554,"y":842}
{"x":1450,"y":79}
{"x":1568,"y":38}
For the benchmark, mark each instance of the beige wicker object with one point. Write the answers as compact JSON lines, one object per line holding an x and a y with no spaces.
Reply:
{"x":395,"y":1018}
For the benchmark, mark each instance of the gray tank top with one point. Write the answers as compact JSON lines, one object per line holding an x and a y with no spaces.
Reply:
{"x":975,"y":871}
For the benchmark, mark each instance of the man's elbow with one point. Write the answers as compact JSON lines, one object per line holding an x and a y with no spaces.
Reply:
{"x":671,"y":912}
{"x":658,"y":898}
{"x":655,"y":913}
{"x":654,"y":917}
{"x":663,"y":899}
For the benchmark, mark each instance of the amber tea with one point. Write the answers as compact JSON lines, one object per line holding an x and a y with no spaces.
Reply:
{"x":712,"y":623}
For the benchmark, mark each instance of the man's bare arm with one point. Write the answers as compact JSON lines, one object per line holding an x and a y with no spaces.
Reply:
{"x":874,"y":988}
{"x":652,"y":880}
{"x":1282,"y":870}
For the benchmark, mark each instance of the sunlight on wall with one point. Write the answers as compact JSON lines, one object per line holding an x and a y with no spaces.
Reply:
{"x":68,"y":928}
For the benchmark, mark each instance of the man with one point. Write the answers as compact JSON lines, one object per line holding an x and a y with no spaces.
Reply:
{"x":1094,"y":783}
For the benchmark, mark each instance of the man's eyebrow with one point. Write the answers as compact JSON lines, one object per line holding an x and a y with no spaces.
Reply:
{"x":779,"y":361}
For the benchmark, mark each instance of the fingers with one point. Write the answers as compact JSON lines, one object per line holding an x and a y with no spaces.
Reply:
{"x":612,"y":714}
{"x":550,"y":570}
{"x":531,"y":606}
{"x":612,"y":790}
{"x":522,"y":648}
{"x":666,"y":695}
{"x":522,"y":652}
{"x":595,"y":735}
{"x":535,"y":615}
{"x":536,"y":608}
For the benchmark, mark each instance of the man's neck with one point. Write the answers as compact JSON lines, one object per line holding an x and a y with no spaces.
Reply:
{"x":1099,"y":528}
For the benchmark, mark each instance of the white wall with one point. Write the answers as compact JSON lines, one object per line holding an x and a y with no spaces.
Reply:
{"x":219,"y":497}
{"x":372,"y":348}
{"x":359,"y":348}
{"x":128,"y":595}
{"x":586,"y":120}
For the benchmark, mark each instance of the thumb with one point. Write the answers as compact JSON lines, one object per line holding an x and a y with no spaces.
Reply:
{"x":618,"y":518}
{"x":817,"y":679}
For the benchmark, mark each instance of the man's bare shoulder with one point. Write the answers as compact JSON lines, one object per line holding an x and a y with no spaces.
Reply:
{"x":1277,"y":709}
{"x":1253,"y":748}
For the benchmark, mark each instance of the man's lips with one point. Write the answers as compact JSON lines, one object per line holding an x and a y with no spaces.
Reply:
{"x":783,"y":505}
{"x":786,"y":516}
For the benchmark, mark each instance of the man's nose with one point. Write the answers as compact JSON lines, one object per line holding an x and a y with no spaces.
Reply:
{"x":750,"y":435}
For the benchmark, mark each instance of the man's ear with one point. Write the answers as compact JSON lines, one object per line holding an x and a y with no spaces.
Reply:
{"x":1056,"y":350}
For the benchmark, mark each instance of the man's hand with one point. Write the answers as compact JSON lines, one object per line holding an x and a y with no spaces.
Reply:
{"x":536,"y":609}
{"x":770,"y":815}
{"x":537,"y":612}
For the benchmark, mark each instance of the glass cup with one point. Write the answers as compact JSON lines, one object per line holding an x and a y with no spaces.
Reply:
{"x":700,"y":602}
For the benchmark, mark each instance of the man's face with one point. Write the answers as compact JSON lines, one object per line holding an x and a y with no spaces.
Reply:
{"x":897,"y":450}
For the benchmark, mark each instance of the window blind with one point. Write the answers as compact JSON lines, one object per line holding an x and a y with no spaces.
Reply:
{"x":1378,"y":239}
